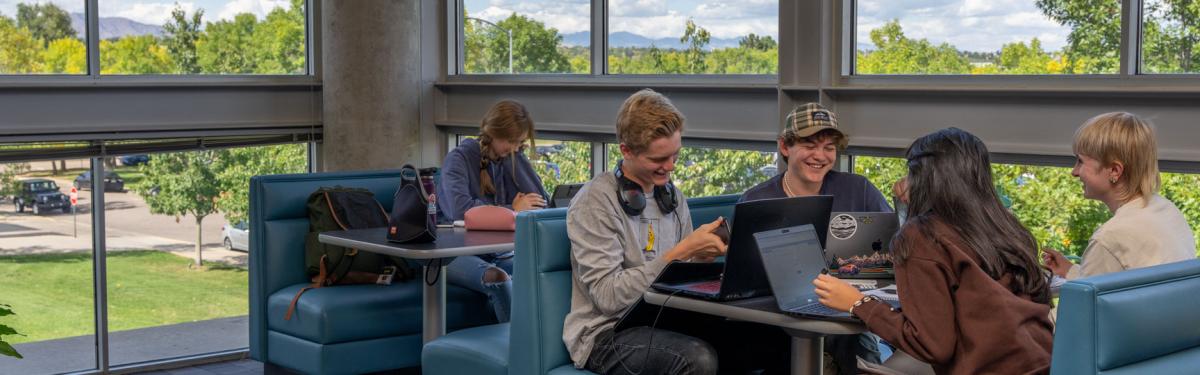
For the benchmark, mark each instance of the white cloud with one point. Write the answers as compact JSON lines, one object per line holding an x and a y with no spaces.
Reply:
{"x":9,"y":7}
{"x":259,"y":8}
{"x":154,"y":13}
{"x":971,"y":25}
{"x":566,"y":17}
{"x":637,"y":8}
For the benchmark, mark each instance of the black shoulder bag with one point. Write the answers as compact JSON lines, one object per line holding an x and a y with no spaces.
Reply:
{"x":412,"y":219}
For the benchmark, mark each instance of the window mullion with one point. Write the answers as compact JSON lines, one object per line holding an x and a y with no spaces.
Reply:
{"x":92,"y":23}
{"x":599,"y":37}
{"x":1131,"y":35}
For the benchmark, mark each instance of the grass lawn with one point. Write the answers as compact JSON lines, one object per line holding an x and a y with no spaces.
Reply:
{"x":51,"y":294}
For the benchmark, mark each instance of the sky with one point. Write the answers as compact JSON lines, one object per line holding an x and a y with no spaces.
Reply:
{"x":973,"y":25}
{"x":156,"y":12}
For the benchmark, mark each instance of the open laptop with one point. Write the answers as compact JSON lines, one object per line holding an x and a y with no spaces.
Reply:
{"x":859,"y":244}
{"x":741,"y":275}
{"x":793,"y":259}
{"x":563,"y":194}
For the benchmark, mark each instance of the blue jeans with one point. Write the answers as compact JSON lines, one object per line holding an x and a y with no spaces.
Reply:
{"x":469,"y":271}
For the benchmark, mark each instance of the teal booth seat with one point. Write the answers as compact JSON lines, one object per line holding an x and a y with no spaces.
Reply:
{"x":335,"y":330}
{"x":532,"y":342}
{"x":1142,"y":321}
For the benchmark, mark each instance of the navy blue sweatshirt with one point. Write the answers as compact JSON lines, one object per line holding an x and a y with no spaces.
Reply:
{"x":459,"y":191}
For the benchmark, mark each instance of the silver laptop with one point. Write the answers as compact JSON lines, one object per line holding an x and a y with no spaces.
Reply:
{"x":793,"y":258}
{"x":858,"y":244}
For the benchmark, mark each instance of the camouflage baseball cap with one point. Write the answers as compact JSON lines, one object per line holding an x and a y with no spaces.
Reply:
{"x":808,"y":119}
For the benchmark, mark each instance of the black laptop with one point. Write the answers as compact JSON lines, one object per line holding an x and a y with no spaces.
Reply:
{"x":563,"y":194}
{"x":794,"y":259}
{"x":741,"y":275}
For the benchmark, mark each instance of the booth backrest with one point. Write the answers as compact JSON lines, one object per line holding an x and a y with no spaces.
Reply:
{"x":542,"y":283}
{"x":1142,"y":321}
{"x":278,"y":224}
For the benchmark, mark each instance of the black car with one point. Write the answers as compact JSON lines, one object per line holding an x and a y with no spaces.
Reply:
{"x":41,"y":195}
{"x":112,"y":181}
{"x":134,"y":159}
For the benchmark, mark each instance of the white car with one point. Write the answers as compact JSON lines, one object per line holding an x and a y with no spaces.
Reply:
{"x":236,"y":236}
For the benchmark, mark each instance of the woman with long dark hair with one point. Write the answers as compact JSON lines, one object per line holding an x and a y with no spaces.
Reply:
{"x":974,"y":298}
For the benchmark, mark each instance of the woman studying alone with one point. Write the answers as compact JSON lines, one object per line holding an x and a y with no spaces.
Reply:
{"x":974,"y":299}
{"x":490,"y":170}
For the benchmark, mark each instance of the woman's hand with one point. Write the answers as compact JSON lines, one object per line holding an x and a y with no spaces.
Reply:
{"x":835,"y":293}
{"x":1056,"y":262}
{"x":531,"y":201}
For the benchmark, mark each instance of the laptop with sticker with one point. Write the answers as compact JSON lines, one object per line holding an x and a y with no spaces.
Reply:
{"x":859,"y":244}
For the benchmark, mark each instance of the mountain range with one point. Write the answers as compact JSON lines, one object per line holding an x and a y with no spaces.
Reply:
{"x":628,"y":39}
{"x":115,"y":27}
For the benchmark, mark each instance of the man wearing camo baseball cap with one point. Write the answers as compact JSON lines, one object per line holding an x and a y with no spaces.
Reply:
{"x":809,"y":145}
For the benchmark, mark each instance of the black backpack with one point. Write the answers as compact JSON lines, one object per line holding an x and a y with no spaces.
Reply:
{"x":342,"y":208}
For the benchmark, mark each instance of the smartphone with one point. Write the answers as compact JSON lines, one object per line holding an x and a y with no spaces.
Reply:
{"x":722,"y":231}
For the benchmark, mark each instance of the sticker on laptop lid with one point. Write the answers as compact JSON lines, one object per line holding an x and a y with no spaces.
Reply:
{"x":843,"y":226}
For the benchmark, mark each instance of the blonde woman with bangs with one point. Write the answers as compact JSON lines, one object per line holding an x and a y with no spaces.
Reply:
{"x":1116,"y":158}
{"x":490,"y":170}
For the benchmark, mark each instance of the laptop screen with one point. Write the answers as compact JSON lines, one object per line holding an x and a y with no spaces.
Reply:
{"x":859,"y":242}
{"x":793,"y":259}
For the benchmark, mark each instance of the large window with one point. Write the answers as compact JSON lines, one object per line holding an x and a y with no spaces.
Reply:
{"x":693,"y":37}
{"x":42,"y":37}
{"x":987,"y":37}
{"x":175,"y":251}
{"x":1170,"y":37}
{"x":203,"y":37}
{"x":704,"y":172}
{"x":46,"y":268}
{"x":532,"y":36}
{"x":1048,"y":200}
{"x":562,"y":162}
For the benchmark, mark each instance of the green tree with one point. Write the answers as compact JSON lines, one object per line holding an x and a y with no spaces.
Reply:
{"x":696,"y":38}
{"x":141,"y":54}
{"x":704,"y":172}
{"x":10,"y":182}
{"x":1171,"y":36}
{"x":898,"y":54}
{"x":67,"y":55}
{"x":180,"y":35}
{"x":1093,"y":46}
{"x":1019,"y":58}
{"x":236,"y":166}
{"x":226,"y":47}
{"x":535,"y":47}
{"x":46,"y":21}
{"x":187,"y":183}
{"x":278,"y":41}
{"x":761,"y":43}
{"x":19,"y":50}
{"x":5,"y":347}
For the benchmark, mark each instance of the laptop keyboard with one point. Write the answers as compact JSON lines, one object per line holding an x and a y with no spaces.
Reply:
{"x":710,"y":287}
{"x":816,"y":309}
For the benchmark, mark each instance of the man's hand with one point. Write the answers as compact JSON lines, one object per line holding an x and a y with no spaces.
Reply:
{"x":530,"y":201}
{"x":701,"y":245}
{"x":1056,"y":262}
{"x":835,"y":293}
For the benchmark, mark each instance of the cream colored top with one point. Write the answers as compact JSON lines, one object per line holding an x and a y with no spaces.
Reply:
{"x":1138,"y":235}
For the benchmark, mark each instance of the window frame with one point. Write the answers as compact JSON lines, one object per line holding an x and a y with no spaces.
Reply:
{"x":93,"y":78}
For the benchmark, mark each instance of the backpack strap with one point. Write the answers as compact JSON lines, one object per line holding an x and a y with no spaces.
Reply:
{"x":319,"y":281}
{"x":338,"y":271}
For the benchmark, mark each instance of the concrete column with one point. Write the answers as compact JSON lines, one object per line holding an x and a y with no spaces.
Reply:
{"x":372,"y":74}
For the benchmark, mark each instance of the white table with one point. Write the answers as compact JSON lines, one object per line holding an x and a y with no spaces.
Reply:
{"x":451,"y":242}
{"x":807,"y":334}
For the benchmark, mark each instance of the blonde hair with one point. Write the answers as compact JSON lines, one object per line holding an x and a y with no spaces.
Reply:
{"x":507,"y":120}
{"x":1126,"y":138}
{"x":646,"y":116}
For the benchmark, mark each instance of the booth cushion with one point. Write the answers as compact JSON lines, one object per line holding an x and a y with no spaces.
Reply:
{"x":1143,"y":318}
{"x":479,"y":350}
{"x":360,"y":312}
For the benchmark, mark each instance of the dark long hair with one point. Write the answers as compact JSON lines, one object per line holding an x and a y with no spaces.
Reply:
{"x":950,"y":177}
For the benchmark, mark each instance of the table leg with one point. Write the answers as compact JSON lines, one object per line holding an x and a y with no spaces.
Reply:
{"x":807,"y":354}
{"x":433,"y":302}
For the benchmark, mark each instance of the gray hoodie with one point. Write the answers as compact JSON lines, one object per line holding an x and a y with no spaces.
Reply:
{"x":611,"y":264}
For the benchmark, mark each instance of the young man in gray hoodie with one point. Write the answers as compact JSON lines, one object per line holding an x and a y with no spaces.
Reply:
{"x":625,"y":226}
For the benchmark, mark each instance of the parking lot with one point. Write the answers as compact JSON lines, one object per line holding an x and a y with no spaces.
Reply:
{"x":129,"y":223}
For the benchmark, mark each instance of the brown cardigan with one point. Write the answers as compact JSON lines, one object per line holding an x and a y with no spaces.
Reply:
{"x":954,"y":316}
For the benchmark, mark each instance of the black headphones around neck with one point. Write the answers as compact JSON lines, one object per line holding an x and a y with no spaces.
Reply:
{"x":633,"y":199}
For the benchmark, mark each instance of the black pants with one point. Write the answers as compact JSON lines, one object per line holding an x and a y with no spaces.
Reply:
{"x":720,"y":347}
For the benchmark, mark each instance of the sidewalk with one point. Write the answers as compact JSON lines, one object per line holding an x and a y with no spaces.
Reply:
{"x":22,"y":240}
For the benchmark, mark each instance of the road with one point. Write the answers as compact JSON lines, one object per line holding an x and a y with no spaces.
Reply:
{"x":129,"y":223}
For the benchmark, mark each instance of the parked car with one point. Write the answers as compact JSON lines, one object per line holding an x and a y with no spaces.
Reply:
{"x":236,"y":236}
{"x":112,"y":181}
{"x":41,"y":195}
{"x":134,"y":159}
